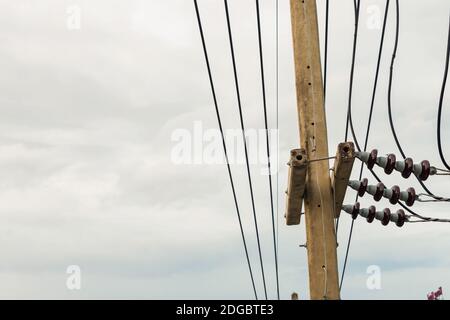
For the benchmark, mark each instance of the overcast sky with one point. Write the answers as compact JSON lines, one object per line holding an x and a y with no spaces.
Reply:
{"x":91,"y":93}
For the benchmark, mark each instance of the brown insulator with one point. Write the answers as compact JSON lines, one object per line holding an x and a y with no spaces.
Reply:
{"x":379,"y":193}
{"x":355,"y":211}
{"x":387,"y":217}
{"x":401,"y":218}
{"x":371,"y":215}
{"x":426,"y":167}
{"x":363,"y":187}
{"x":409,"y":164}
{"x":372,"y":159}
{"x":411,"y":197}
{"x":395,"y":195}
{"x":390,"y":163}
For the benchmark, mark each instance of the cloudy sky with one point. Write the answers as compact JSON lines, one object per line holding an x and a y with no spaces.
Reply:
{"x":91,"y":96}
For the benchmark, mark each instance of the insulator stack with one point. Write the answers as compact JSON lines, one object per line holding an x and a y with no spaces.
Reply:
{"x":385,"y":216}
{"x":369,"y":158}
{"x":421,"y":170}
{"x":378,"y":191}
{"x":388,"y":163}
{"x":405,"y":167}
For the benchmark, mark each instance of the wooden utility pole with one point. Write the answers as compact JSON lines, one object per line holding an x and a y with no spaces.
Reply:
{"x":319,"y":212}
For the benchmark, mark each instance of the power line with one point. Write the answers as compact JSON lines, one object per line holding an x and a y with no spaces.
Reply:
{"x":277,"y":118}
{"x":327,"y":11}
{"x":441,"y":102}
{"x":224,"y":145}
{"x":369,"y":122}
{"x":374,"y":91}
{"x":261,"y":59}
{"x":352,"y":70}
{"x":391,"y":75}
{"x":397,"y":31}
{"x":391,"y":122}
{"x":355,"y":39}
{"x":349,"y":121}
{"x":236,"y":82}
{"x":433,"y":198}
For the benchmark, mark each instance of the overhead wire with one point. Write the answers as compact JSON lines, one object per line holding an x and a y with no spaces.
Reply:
{"x":391,"y":75}
{"x":277,"y":110}
{"x":263,"y":86}
{"x":352,"y":70}
{"x":241,"y":118}
{"x":441,"y":102}
{"x":420,"y":198}
{"x":205,"y":52}
{"x":369,"y":122}
{"x":325,"y":68}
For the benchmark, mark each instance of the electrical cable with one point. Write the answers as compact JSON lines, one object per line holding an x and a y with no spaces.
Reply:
{"x":355,"y":38}
{"x":352,"y":70}
{"x":261,"y":59}
{"x":325,"y":68}
{"x":277,"y":110}
{"x":441,"y":102}
{"x":375,"y":85}
{"x":236,"y":82}
{"x":224,"y":145}
{"x":391,"y":75}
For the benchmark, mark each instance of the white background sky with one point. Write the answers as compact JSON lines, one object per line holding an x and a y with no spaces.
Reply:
{"x":86,"y":175}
